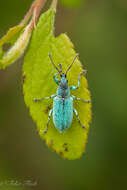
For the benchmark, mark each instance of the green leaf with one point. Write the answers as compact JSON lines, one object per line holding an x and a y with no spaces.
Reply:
{"x":8,"y":41}
{"x":38,"y":82}
{"x":13,"y":44}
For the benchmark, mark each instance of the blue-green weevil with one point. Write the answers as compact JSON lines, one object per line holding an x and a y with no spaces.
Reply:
{"x":63,"y":109}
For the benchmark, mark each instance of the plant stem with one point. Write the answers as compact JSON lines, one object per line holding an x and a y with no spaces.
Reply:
{"x":35,"y":10}
{"x":54,"y":4}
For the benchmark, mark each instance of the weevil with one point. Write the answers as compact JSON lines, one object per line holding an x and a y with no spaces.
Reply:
{"x":63,"y":110}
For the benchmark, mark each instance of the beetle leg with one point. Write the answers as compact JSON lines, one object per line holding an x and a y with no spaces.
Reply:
{"x":49,"y":117}
{"x":45,"y":98}
{"x":76,"y":113}
{"x":80,"y":99}
{"x":79,"y":77}
{"x":55,"y":79}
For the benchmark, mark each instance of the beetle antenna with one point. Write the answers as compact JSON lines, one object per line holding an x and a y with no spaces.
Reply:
{"x":72,"y":63}
{"x":54,"y":64}
{"x":60,"y":67}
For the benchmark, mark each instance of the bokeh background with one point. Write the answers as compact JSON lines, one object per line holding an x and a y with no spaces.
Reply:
{"x":98,"y":28}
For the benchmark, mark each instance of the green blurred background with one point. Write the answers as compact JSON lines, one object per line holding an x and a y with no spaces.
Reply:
{"x":98,"y":28}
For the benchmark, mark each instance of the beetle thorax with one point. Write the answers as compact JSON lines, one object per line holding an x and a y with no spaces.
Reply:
{"x":63,"y":89}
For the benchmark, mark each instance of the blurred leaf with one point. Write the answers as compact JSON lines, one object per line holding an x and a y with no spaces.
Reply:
{"x":38,"y":82}
{"x":72,"y":3}
{"x":13,"y":44}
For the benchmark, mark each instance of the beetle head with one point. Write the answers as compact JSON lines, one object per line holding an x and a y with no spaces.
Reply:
{"x":63,"y":81}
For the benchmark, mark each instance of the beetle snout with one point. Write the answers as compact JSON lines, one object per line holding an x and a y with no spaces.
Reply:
{"x":64,"y":86}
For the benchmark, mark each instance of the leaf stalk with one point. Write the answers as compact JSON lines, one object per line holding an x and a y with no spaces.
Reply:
{"x":35,"y":11}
